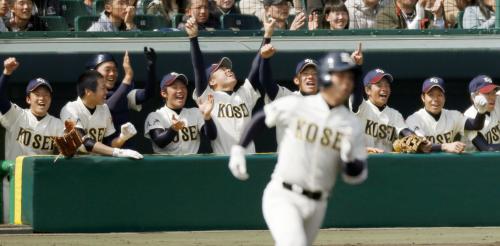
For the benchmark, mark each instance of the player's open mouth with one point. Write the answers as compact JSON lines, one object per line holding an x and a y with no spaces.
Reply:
{"x":311,"y":83}
{"x":383,"y":95}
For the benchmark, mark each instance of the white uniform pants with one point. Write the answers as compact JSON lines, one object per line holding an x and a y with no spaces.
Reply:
{"x":292,"y":218}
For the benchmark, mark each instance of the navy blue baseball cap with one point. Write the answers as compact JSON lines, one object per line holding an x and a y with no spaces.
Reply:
{"x":431,"y":83}
{"x":98,"y":59}
{"x":304,"y":64}
{"x":224,"y":62}
{"x":35,"y":83}
{"x":483,"y":84}
{"x":375,"y":75}
{"x":170,"y":78}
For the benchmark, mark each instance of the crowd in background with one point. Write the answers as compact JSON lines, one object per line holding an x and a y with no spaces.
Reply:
{"x":118,"y":15}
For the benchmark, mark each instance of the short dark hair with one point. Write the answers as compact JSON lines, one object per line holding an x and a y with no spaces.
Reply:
{"x":334,"y":6}
{"x":87,"y":80}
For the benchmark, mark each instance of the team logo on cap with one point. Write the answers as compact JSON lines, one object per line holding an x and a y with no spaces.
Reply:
{"x":378,"y":70}
{"x":488,"y":80}
{"x":174,"y":74}
{"x":345,"y":57}
{"x":40,"y":80}
{"x":434,"y":80}
{"x":309,"y":61}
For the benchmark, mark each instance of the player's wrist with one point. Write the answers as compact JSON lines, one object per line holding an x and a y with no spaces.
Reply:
{"x":7,"y":72}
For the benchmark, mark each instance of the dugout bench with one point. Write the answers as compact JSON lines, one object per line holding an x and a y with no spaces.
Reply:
{"x":105,"y":194}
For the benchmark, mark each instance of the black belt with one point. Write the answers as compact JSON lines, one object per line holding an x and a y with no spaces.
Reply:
{"x":309,"y":194}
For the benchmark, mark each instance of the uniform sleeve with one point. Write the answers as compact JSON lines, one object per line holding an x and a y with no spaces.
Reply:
{"x":353,"y":145}
{"x":459,"y":120}
{"x":204,"y":95}
{"x":361,"y":107}
{"x":414,"y":123}
{"x":199,"y":118}
{"x":279,"y":111}
{"x":132,"y":101}
{"x":153,"y":121}
{"x":282,"y":92}
{"x":399,"y":122}
{"x":70,"y":113}
{"x":9,"y":119}
{"x":470,"y":113}
{"x":110,"y":127}
{"x":251,"y":94}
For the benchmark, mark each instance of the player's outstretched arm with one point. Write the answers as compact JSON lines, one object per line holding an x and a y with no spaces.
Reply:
{"x":101,"y":149}
{"x":357,"y":94}
{"x":482,"y":145}
{"x":265,"y":72}
{"x":142,"y":95}
{"x":120,"y":94}
{"x":254,"y":73}
{"x":209,"y":129}
{"x":200,"y":78}
{"x":9,"y":66}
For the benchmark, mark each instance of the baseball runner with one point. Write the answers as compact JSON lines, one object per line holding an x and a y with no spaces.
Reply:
{"x":485,"y":100}
{"x":233,"y":103}
{"x":321,"y":138}
{"x":93,"y":119}
{"x":382,"y":124}
{"x":28,"y":131}
{"x":438,"y":125}
{"x":123,"y":97}
{"x":174,"y":129}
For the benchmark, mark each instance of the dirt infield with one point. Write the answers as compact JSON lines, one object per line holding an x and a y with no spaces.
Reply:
{"x":331,"y":237}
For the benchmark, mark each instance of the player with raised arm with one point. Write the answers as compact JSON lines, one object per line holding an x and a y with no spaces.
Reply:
{"x":233,"y":102}
{"x":322,"y":137}
{"x":174,"y":129}
{"x":438,"y":125}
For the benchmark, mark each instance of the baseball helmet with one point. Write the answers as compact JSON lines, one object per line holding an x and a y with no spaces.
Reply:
{"x":334,"y":62}
{"x":98,"y":59}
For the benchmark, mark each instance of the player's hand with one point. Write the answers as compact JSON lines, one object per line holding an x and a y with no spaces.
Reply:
{"x":127,"y":67}
{"x":150,"y":55}
{"x":267,"y":51}
{"x":129,"y":17}
{"x":237,"y":163}
{"x":269,"y":25}
{"x":298,"y":21}
{"x":177,"y":124}
{"x":426,"y":146}
{"x":127,"y":131}
{"x":313,"y":21}
{"x":481,"y":103}
{"x":206,"y":107}
{"x":127,"y":153}
{"x":357,"y":55}
{"x":10,"y":65}
{"x":372,"y":150}
{"x":455,"y":147}
{"x":191,"y":28}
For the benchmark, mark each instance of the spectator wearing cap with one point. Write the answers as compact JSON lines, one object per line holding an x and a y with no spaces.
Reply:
{"x":199,"y":10}
{"x":279,"y":10}
{"x":22,"y":18}
{"x":174,"y":129}
{"x":363,"y":13}
{"x":117,"y":16}
{"x":234,"y":101}
{"x":438,"y":125}
{"x":382,"y":124}
{"x":480,"y":16}
{"x":484,"y":97}
{"x":123,"y":97}
{"x":411,"y":14}
{"x":4,"y":9}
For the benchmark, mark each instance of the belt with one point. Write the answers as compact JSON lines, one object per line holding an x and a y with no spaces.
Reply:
{"x":309,"y":194}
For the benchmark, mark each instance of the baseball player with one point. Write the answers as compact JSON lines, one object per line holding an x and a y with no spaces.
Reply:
{"x":233,"y":103}
{"x":438,"y":125}
{"x":93,"y":118}
{"x":322,"y":137}
{"x":382,"y":123}
{"x":485,"y":100}
{"x":123,"y":97}
{"x":174,"y":129}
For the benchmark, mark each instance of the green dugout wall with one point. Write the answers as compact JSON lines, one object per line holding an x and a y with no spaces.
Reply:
{"x":98,"y":194}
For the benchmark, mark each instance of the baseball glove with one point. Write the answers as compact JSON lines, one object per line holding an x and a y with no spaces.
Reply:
{"x":69,"y":143}
{"x":409,"y":144}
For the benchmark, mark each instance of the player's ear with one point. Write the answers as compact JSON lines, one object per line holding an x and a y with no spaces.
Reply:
{"x":422,"y":96}
{"x":211,"y":82}
{"x":367,"y":90}
{"x":164,"y":94}
{"x":28,"y":99}
{"x":296,"y":81}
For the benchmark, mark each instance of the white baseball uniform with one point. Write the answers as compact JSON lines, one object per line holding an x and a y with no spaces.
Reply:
{"x":232,"y":112}
{"x":97,"y":125}
{"x":491,"y":129}
{"x":282,"y":92}
{"x":187,"y":141}
{"x":444,"y":130}
{"x":316,"y":140}
{"x":25,"y":135}
{"x":381,"y":127}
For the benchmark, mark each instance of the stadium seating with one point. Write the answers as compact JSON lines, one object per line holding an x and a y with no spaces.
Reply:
{"x":98,"y":6}
{"x":240,"y":22}
{"x":176,"y":20}
{"x":55,"y":23}
{"x":82,"y":23}
{"x":149,"y":22}
{"x":72,"y":9}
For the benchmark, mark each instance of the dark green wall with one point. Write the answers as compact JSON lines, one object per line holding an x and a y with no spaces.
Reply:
{"x":102,"y":194}
{"x":456,"y":66}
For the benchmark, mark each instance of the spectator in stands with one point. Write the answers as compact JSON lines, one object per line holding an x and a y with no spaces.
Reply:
{"x":279,"y":10}
{"x":47,"y":7}
{"x":336,"y":15}
{"x":252,"y":7}
{"x":363,"y":13}
{"x":451,"y":10}
{"x":4,"y":9}
{"x":219,"y":8}
{"x":117,"y":16}
{"x":89,"y":6}
{"x":410,"y":14}
{"x":166,"y":8}
{"x":480,"y":16}
{"x":22,"y":19}
{"x":200,"y":11}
